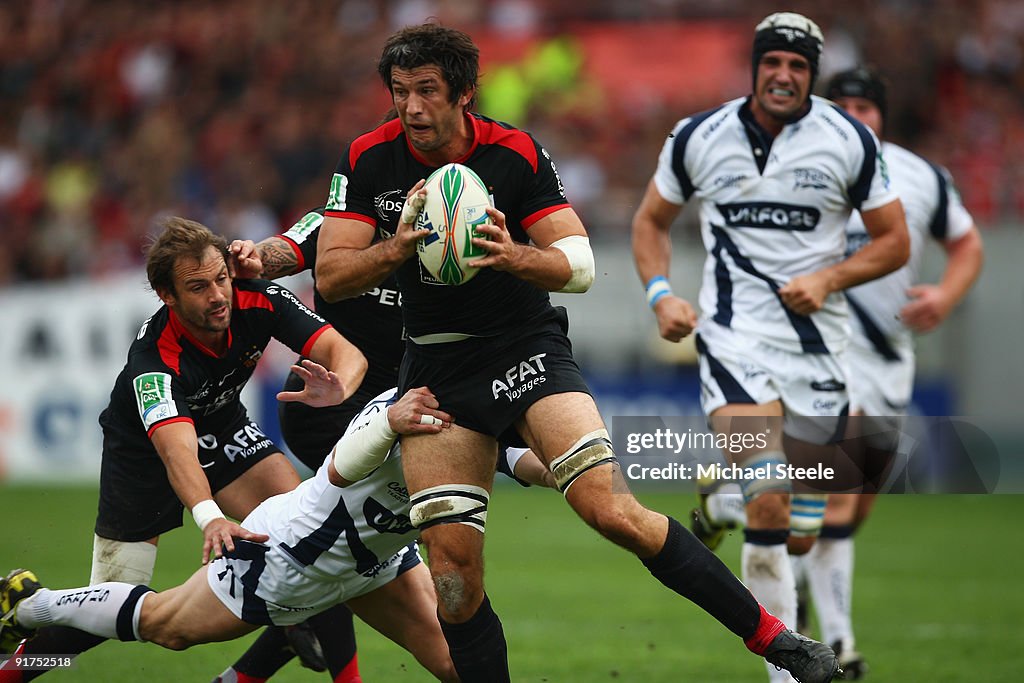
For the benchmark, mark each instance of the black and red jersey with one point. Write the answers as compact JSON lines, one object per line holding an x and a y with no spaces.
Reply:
{"x":170,"y":376}
{"x":372,"y":321}
{"x":378,"y":169}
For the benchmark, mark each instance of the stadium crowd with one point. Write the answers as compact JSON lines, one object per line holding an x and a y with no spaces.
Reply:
{"x":232,"y":113}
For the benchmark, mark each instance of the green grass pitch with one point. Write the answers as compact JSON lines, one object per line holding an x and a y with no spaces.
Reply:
{"x":938,"y":595}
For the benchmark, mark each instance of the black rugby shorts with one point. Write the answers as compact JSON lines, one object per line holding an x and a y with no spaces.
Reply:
{"x":487,"y":383}
{"x":136,"y":498}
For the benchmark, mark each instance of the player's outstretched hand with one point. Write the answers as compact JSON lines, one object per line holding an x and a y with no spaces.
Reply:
{"x":927,"y":308}
{"x":322,"y":387}
{"x":221,"y":533}
{"x":676,"y":317}
{"x":244,"y":260}
{"x":417,"y":412}
{"x":805,"y":294}
{"x":503,"y":252}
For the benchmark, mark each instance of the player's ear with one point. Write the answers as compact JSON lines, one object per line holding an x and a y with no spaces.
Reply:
{"x":165,"y":295}
{"x":467,"y":97}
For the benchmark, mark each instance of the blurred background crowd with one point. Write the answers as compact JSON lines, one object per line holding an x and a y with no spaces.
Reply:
{"x":234,"y":112}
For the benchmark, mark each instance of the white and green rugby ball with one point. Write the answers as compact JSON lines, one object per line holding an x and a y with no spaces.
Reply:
{"x":455,"y":205}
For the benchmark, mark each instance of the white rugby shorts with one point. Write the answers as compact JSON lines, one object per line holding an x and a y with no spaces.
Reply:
{"x":880,"y":387}
{"x":261,"y":585}
{"x":740,"y":368}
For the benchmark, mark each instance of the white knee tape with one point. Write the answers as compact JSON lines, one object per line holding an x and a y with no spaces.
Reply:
{"x":449,"y":504}
{"x":591,"y":450}
{"x":807,"y":513}
{"x":122,"y":561}
{"x":762,"y":475}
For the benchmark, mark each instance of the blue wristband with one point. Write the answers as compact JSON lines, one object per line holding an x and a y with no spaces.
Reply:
{"x":657,"y":288}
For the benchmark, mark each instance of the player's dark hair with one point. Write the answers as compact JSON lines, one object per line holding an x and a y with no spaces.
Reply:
{"x":181,"y":238}
{"x":449,"y":49}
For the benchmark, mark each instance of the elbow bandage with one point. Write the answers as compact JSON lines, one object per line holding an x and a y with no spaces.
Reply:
{"x":581,"y":260}
{"x":362,"y":450}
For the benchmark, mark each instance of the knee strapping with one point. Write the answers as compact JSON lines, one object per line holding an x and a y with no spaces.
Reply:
{"x":807,"y":513}
{"x":762,"y":475}
{"x":591,"y":450}
{"x":449,"y":504}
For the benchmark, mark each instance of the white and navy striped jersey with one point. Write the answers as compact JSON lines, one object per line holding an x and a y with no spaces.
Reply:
{"x":332,"y":533}
{"x":934,"y":209}
{"x":772,"y":210}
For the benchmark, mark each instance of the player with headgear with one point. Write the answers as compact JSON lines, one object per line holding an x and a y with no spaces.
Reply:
{"x":778,"y":173}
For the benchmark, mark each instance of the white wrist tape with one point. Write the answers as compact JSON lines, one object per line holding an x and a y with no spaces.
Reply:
{"x":657,"y":289}
{"x":362,"y":450}
{"x":204,"y":512}
{"x":581,"y":259}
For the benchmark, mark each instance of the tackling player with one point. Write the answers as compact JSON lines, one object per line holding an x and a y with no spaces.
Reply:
{"x":326,"y":542}
{"x":176,"y":434}
{"x":777,"y":174}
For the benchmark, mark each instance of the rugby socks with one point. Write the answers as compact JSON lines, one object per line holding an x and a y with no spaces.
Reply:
{"x":726,"y":506}
{"x":231,"y":675}
{"x":687,"y":567}
{"x":265,"y":656}
{"x":477,"y":646}
{"x":110,"y":610}
{"x":769,"y":575}
{"x":830,"y":575}
{"x":336,"y":633}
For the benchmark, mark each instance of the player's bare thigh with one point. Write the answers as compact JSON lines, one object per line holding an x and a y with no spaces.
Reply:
{"x":405,"y":610}
{"x":454,"y":456}
{"x":269,"y":477}
{"x":188,"y":615}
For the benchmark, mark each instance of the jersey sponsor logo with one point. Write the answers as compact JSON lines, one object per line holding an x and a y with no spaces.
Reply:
{"x":554,"y":169}
{"x":809,"y":178}
{"x":726,"y":181}
{"x":388,"y":204}
{"x":835,"y":126}
{"x":153,"y":397}
{"x":385,"y":297}
{"x":339,"y":193}
{"x":770,"y":216}
{"x":304,"y":227}
{"x":285,"y":294}
{"x":398,"y":491}
{"x":384,"y":521}
{"x":828,"y":385}
{"x":520,"y":378}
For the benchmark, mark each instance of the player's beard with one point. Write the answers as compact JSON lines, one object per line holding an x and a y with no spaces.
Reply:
{"x":214,"y":324}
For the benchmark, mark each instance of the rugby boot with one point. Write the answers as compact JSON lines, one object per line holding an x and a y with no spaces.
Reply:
{"x":808,"y":661}
{"x":15,"y":587}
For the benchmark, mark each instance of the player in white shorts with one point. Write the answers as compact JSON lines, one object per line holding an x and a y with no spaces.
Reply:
{"x":328,"y":541}
{"x":885,"y":313}
{"x":777,"y":175}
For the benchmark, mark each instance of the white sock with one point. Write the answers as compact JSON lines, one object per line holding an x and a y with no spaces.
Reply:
{"x":229,"y":676}
{"x":726,"y":506}
{"x":769,"y":576}
{"x":830,"y":574}
{"x":94,"y":609}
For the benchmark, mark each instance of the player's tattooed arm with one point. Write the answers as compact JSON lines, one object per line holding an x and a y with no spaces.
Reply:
{"x":278,"y":256}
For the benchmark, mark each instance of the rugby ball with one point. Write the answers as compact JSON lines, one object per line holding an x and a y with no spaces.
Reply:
{"x":455,"y":205}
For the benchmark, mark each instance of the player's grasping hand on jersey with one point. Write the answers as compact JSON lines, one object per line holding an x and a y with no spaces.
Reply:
{"x":219,"y":534}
